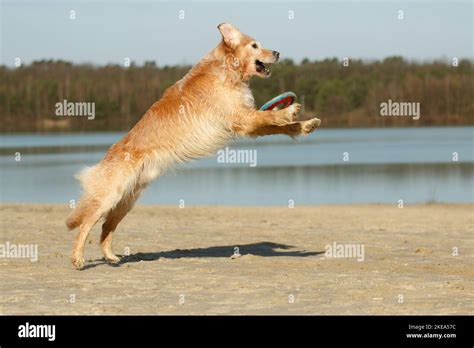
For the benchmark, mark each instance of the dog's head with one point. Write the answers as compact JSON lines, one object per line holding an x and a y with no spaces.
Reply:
{"x":246,"y":54}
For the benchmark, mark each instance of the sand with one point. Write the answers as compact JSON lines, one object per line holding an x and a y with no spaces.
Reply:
{"x":416,"y":260}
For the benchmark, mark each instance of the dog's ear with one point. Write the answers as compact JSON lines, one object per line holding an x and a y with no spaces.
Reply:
{"x":230,"y":34}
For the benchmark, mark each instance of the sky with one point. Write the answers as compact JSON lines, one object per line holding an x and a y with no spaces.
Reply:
{"x":181,"y":32}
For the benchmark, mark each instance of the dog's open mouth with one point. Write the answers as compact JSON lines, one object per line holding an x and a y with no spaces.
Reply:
{"x":262,"y":68}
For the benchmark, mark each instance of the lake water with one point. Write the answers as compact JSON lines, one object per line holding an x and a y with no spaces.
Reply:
{"x":331,"y":166}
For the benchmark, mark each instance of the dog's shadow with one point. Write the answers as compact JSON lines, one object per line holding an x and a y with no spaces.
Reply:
{"x":266,"y":249}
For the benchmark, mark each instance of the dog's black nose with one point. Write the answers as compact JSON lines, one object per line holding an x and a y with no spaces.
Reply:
{"x":276,"y":54}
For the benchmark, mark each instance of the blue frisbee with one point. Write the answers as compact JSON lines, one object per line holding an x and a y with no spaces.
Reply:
{"x":282,"y":101}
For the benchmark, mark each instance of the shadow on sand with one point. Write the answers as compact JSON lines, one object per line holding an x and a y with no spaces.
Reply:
{"x":266,"y":249}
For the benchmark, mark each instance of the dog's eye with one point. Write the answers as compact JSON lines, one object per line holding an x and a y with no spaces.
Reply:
{"x":255,"y":45}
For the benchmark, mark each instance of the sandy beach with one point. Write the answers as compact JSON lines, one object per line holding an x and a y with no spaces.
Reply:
{"x":415,"y":260}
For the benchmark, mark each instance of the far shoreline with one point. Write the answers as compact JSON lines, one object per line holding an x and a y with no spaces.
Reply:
{"x":322,"y":128}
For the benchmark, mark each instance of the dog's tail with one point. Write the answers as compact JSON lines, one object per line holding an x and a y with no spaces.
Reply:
{"x":75,"y":217}
{"x":84,"y":206}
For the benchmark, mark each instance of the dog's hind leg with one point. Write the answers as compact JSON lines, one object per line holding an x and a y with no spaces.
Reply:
{"x":77,"y":257}
{"x":111,"y":222}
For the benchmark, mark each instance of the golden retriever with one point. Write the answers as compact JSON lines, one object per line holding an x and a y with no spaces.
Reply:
{"x":194,"y":118}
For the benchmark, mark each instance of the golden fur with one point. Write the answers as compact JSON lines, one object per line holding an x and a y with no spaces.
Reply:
{"x":194,"y":118}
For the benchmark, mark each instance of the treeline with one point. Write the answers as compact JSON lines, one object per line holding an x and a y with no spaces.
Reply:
{"x":342,"y":96}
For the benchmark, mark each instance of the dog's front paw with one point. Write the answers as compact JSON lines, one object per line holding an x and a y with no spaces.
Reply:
{"x":287,"y":115}
{"x":309,"y":125}
{"x":293,"y":110}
